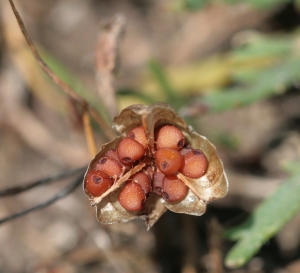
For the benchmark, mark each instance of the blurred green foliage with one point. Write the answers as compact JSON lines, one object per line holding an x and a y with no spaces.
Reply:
{"x":259,"y":4}
{"x":65,"y":74}
{"x":265,"y":221}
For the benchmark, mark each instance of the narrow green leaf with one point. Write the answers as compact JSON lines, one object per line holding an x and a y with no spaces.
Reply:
{"x":267,"y":219}
{"x":162,"y":80}
{"x":265,"y":83}
{"x":260,"y":4}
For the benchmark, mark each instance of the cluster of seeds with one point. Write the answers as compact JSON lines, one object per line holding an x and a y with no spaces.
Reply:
{"x":172,"y":156}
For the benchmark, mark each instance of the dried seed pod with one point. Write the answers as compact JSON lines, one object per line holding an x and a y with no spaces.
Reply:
{"x":157,"y":182}
{"x":213,"y":184}
{"x":139,"y":135}
{"x":194,"y":164}
{"x":170,"y":137}
{"x":132,"y":196}
{"x":143,"y":180}
{"x":98,"y":182}
{"x":168,"y":160}
{"x":130,"y":150}
{"x":109,"y":166}
{"x":173,"y":189}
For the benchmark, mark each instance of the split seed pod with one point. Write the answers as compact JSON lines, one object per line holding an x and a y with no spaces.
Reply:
{"x":211,"y":185}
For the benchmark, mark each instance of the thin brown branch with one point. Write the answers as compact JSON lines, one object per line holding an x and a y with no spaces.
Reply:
{"x":22,"y":188}
{"x":61,"y":194}
{"x":108,"y":132}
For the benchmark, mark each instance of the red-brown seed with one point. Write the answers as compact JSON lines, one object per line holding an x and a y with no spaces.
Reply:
{"x":113,"y":154}
{"x":194,"y":164}
{"x":168,"y":160}
{"x":173,"y":189}
{"x":130,"y":150}
{"x":143,"y":180}
{"x":132,"y":196}
{"x":170,"y":137}
{"x":97,"y":182}
{"x":157,"y":182}
{"x":109,"y":166}
{"x":138,"y":134}
{"x":186,"y":150}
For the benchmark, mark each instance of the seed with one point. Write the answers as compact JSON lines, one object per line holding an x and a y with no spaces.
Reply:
{"x":132,"y":196}
{"x":130,"y":150}
{"x":157,"y":182}
{"x":109,"y":166}
{"x":139,"y":135}
{"x":98,"y":182}
{"x":170,"y":137}
{"x":113,"y":154}
{"x":194,"y":164}
{"x":168,"y":160}
{"x":143,"y":180}
{"x":173,"y":189}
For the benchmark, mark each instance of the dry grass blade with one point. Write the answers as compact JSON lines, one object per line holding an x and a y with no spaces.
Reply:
{"x":89,"y":134}
{"x":66,"y":88}
{"x":106,"y":61}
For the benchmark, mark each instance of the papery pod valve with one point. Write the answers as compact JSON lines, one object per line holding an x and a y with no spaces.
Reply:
{"x":168,"y":173}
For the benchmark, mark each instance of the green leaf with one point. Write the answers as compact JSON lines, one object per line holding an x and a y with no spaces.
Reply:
{"x":263,"y":46}
{"x":266,"y":220}
{"x":265,"y":83}
{"x":260,"y":4}
{"x":159,"y":75}
{"x":195,"y":4}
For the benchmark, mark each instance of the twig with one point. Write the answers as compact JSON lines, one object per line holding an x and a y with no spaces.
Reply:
{"x":63,"y":193}
{"x":66,"y":88}
{"x":106,"y":60}
{"x":89,"y":134}
{"x":20,"y":189}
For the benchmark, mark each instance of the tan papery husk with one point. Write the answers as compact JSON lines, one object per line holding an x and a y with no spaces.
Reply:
{"x":210,"y":186}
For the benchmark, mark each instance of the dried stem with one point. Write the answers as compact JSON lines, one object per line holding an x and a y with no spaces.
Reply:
{"x":89,"y":134}
{"x":61,"y":194}
{"x":20,"y":189}
{"x":106,"y":60}
{"x":66,"y":88}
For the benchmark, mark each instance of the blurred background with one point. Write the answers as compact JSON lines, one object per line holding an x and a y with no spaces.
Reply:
{"x":230,"y":68}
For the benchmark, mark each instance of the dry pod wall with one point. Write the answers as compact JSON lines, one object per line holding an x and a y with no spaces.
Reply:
{"x":126,"y":198}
